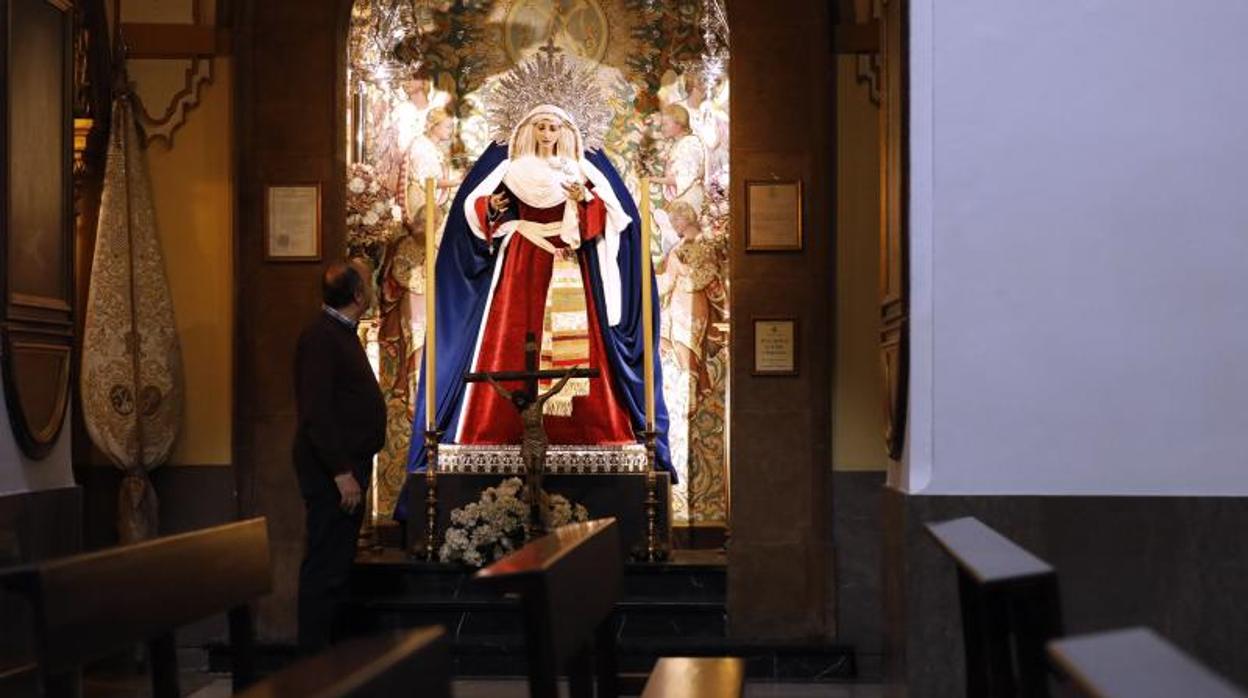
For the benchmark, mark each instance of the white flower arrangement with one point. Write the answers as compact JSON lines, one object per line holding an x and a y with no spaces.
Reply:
{"x":486,"y":530}
{"x":374,"y":216}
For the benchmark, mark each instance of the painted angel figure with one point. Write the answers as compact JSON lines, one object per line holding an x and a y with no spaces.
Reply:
{"x":542,"y":237}
{"x":427,"y":158}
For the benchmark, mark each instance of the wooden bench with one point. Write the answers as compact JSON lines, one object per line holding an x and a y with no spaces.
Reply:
{"x":407,"y":663}
{"x":1133,"y":663}
{"x":90,"y":606}
{"x":1010,"y":608}
{"x":568,"y":583}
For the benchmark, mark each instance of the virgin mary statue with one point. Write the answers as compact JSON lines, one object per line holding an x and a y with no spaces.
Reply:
{"x":543,"y":238}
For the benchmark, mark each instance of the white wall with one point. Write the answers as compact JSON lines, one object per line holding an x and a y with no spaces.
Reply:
{"x":21,"y":474}
{"x":1079,"y":247}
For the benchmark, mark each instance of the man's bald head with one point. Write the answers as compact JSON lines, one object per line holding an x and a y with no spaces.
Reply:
{"x":345,"y":283}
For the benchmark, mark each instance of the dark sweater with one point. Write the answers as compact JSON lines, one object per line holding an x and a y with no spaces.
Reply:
{"x":341,"y":412}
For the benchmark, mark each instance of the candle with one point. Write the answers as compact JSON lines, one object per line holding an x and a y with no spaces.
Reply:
{"x":647,"y":311}
{"x":431,"y":373}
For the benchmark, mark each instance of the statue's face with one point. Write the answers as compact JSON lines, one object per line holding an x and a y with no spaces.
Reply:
{"x":546,"y":131}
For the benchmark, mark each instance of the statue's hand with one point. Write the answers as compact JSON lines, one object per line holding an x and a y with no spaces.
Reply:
{"x":575,"y":191}
{"x":498,"y":202}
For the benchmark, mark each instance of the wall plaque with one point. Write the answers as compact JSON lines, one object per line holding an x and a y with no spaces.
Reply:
{"x":773,"y":216}
{"x":292,"y":223}
{"x":775,"y":347}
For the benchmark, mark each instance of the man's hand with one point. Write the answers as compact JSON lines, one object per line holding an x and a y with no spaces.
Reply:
{"x":348,"y":491}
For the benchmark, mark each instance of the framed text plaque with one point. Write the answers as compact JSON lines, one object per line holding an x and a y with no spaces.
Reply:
{"x":773,"y":216}
{"x":292,"y":223}
{"x":775,"y":347}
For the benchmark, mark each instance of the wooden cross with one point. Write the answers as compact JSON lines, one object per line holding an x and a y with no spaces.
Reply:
{"x":529,"y":405}
{"x":530,"y":375}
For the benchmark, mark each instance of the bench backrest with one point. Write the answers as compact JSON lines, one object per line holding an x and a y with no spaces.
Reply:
{"x":1134,"y":663}
{"x":568,"y":581}
{"x":1010,"y":608}
{"x":403,"y":663}
{"x":87,"y":606}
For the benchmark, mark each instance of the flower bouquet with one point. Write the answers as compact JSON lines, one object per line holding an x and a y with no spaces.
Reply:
{"x":374,"y":217}
{"x":493,"y":526}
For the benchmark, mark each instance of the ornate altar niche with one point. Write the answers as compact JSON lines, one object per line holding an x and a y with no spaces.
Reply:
{"x":649,"y":55}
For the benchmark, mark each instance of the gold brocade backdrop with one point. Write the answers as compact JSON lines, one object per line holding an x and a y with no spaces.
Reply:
{"x":670,"y":124}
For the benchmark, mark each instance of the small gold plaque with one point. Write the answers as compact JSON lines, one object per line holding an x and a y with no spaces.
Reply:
{"x":775,"y":347}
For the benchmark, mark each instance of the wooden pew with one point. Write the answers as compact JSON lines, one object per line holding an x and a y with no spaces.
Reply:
{"x":710,"y":677}
{"x":1010,"y":608}
{"x":568,"y":583}
{"x":90,"y":606}
{"x":1133,"y":663}
{"x":413,"y":663}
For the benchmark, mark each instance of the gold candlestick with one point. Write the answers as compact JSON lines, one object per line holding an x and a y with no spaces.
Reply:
{"x":647,"y":311}
{"x":431,"y":393}
{"x":654,"y":551}
{"x":431,"y":379}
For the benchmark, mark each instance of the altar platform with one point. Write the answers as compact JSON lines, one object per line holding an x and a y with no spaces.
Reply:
{"x":678,"y":607}
{"x":609,"y":481}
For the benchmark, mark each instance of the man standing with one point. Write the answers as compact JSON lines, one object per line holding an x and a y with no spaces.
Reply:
{"x":341,"y":425}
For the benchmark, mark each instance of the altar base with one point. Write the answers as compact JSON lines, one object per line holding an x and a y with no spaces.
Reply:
{"x":609,"y":481}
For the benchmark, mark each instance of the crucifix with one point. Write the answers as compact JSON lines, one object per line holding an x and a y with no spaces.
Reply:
{"x":528,"y":402}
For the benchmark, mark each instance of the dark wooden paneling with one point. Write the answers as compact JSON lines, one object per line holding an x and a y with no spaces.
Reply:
{"x":36,"y":209}
{"x":290,"y":104}
{"x":144,"y":40}
{"x":783,"y":126}
{"x":894,"y":237}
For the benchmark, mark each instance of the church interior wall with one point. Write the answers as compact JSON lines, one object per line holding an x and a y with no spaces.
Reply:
{"x":783,"y":126}
{"x":857,"y":413}
{"x":40,"y":518}
{"x":288,"y":126}
{"x":1082,"y":241}
{"x":1076,"y":243}
{"x":193,"y":195}
{"x":19,"y":473}
{"x":858,"y":393}
{"x":192,"y":187}
{"x":39,"y":500}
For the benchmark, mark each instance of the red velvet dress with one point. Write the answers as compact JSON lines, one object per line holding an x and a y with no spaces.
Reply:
{"x":517,"y":308}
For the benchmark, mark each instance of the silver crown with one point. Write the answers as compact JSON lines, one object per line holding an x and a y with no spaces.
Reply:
{"x":549,"y":77}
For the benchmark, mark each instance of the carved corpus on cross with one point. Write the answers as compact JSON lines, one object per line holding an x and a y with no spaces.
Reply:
{"x":528,"y":402}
